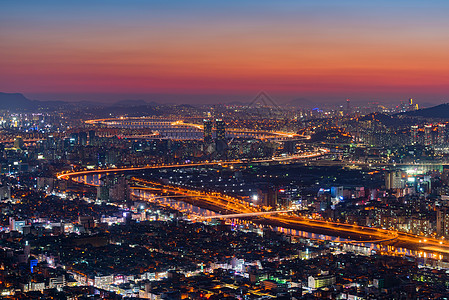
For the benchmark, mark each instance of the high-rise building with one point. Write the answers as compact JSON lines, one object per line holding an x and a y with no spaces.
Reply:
{"x":5,"y":192}
{"x":113,"y":189}
{"x":86,"y":221}
{"x":76,"y":137}
{"x":221,"y":145}
{"x":428,"y":135}
{"x":442,"y":222}
{"x":414,"y":135}
{"x":207,"y":131}
{"x":83,"y":138}
{"x":337,"y":193}
{"x":410,"y":106}
{"x":18,"y":143}
{"x":393,"y":180}
{"x":91,"y":137}
{"x":51,"y":143}
{"x":268,"y":196}
{"x":289,"y":147}
{"x":441,"y":134}
{"x":221,"y":130}
{"x":348,"y":107}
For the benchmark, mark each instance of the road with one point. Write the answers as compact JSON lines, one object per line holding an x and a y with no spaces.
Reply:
{"x":367,"y":164}
{"x":224,"y":203}
{"x":199,"y":127}
{"x":394,"y":240}
{"x":232,"y":205}
{"x":71,"y":174}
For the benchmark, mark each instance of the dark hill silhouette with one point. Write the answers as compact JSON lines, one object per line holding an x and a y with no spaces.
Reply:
{"x":438,"y":112}
{"x":16,"y":101}
{"x":131,"y":102}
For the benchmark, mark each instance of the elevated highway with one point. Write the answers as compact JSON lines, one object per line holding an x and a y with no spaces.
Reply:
{"x":72,"y":174}
{"x":225,"y":204}
{"x":179,"y":129}
{"x":234,"y":207}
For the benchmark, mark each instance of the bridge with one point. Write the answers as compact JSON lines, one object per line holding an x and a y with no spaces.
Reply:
{"x":11,"y":140}
{"x":199,"y":218}
{"x":377,"y":164}
{"x":178,"y":129}
{"x":244,"y":215}
{"x":309,"y":155}
{"x":221,"y":202}
{"x":239,"y":208}
{"x":30,"y":137}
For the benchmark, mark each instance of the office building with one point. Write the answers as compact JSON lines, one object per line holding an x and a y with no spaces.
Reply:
{"x":221,"y":130}
{"x":393,"y":180}
{"x":207,"y":129}
{"x":316,"y":282}
{"x":441,"y":134}
{"x":18,"y":143}
{"x":428,"y":135}
{"x":414,"y":135}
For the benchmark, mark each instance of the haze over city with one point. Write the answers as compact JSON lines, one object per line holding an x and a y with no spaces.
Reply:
{"x":223,"y":51}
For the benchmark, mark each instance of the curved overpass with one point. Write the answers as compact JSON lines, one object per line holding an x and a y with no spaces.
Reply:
{"x":220,"y":202}
{"x":233,"y":207}
{"x":358,"y":234}
{"x":178,"y":129}
{"x":71,"y":174}
{"x":225,"y":203}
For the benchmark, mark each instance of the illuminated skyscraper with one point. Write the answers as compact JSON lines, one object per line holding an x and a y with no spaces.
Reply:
{"x":412,"y":106}
{"x":428,"y":135}
{"x":442,"y":221}
{"x":414,"y":135}
{"x":83,"y":138}
{"x":221,"y":145}
{"x":441,"y":134}
{"x":91,"y":137}
{"x":393,"y":180}
{"x":207,"y":131}
{"x":221,"y":130}
{"x":18,"y":143}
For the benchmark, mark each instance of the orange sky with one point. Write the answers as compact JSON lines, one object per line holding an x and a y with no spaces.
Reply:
{"x":357,"y":51}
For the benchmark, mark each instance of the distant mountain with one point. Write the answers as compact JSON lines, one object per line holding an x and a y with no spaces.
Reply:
{"x":130,"y":103}
{"x":438,"y":112}
{"x":16,"y":101}
{"x":384,"y":119}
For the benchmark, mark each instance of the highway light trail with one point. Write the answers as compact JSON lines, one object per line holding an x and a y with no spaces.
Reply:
{"x":221,"y":202}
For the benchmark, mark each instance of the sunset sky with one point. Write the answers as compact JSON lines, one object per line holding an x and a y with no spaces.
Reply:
{"x":218,"y":51}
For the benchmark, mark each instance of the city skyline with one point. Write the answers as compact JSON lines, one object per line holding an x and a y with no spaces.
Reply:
{"x":201,"y":52}
{"x":223,"y":201}
{"x":211,"y":150}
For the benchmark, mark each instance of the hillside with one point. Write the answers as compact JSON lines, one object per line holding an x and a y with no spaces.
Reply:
{"x":438,"y":112}
{"x":16,"y":101}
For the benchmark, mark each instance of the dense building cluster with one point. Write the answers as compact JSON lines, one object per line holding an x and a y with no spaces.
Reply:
{"x":142,"y":218}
